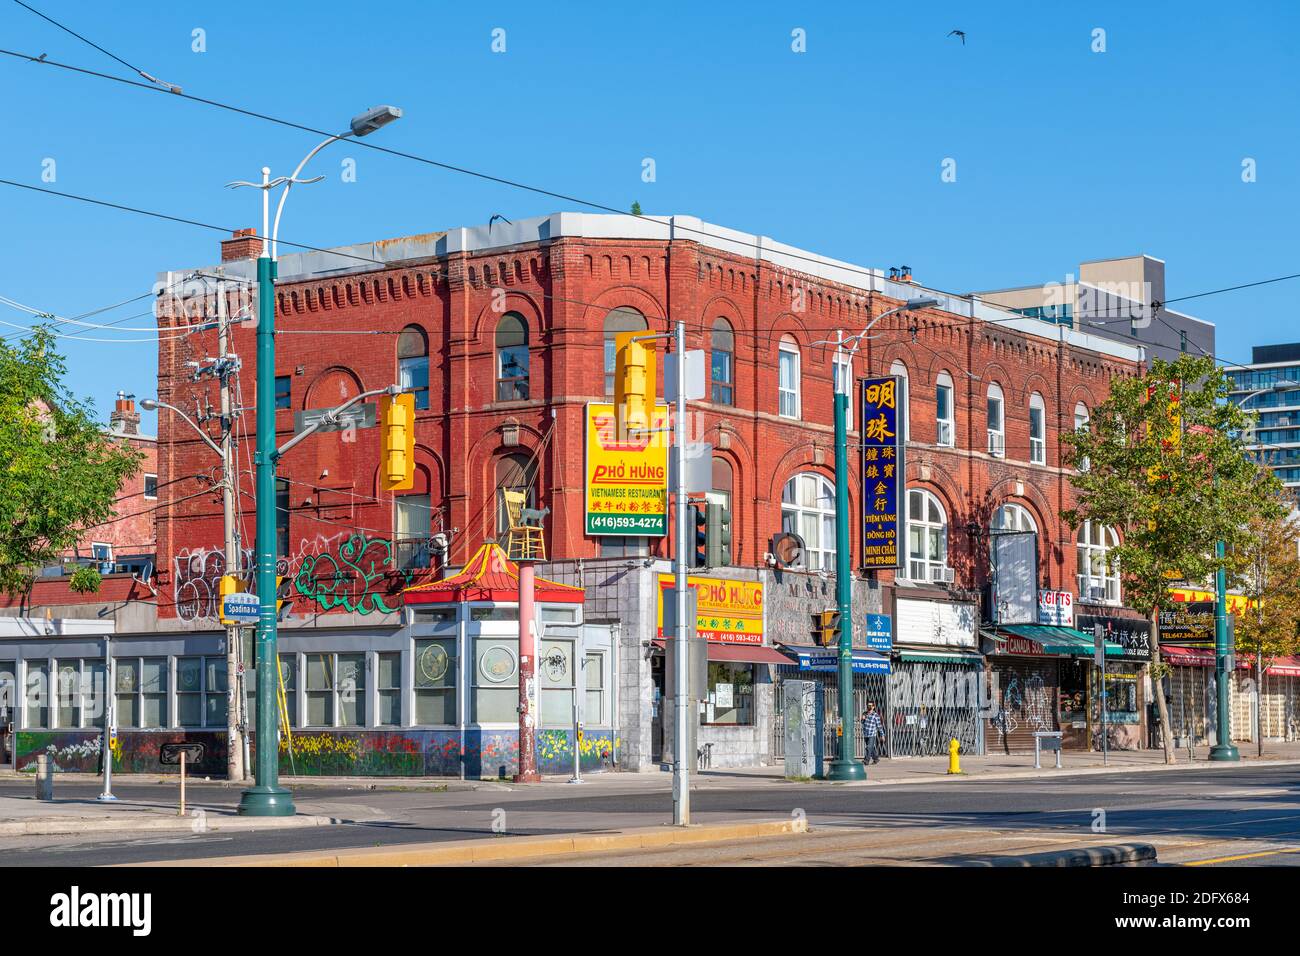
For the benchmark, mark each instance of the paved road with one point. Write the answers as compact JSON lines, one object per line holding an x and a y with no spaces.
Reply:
{"x":1235,"y":816}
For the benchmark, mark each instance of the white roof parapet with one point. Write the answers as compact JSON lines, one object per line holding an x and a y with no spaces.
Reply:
{"x":300,"y":266}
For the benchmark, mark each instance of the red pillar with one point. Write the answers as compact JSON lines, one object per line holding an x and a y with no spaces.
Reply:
{"x":527,"y":678}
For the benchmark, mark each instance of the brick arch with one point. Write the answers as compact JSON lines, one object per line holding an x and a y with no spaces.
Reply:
{"x":332,"y":386}
{"x":485,"y":323}
{"x":1037,"y":382}
{"x":629,"y":296}
{"x":787,"y":323}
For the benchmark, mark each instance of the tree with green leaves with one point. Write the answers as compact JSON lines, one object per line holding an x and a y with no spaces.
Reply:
{"x":60,"y":473}
{"x":1163,"y":461}
{"x":1270,"y":575}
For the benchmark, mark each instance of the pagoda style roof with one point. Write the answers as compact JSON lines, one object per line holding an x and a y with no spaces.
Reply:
{"x":489,"y":576}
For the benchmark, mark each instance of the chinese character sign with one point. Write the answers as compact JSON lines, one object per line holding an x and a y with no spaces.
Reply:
{"x":883,"y":479}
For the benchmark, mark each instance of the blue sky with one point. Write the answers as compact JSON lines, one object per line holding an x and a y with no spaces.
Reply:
{"x":1062,"y":154}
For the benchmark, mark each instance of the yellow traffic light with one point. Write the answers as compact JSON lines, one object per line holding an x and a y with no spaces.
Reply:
{"x":397,"y":442}
{"x":229,"y":584}
{"x":826,"y":624}
{"x":634,"y":381}
{"x":281,"y":594}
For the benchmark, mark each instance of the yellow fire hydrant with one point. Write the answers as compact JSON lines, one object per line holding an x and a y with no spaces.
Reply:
{"x":954,"y":761}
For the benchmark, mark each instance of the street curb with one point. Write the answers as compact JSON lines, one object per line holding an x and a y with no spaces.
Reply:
{"x":1048,"y":774}
{"x":447,"y":784}
{"x":505,"y":850}
{"x":204,"y":823}
{"x":1124,"y":854}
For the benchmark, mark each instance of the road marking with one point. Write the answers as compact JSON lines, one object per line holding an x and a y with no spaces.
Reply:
{"x":1241,"y":856}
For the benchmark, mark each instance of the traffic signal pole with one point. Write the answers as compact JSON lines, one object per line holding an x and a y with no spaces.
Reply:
{"x":1223,"y":748}
{"x":846,"y":766}
{"x":681,"y":769}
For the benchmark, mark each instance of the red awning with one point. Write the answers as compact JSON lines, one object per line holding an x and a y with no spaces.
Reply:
{"x":490,"y":576}
{"x":1187,"y":656}
{"x":741,"y":653}
{"x":1273,"y":666}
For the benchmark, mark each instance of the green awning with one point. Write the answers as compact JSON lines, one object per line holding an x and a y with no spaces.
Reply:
{"x":939,"y":657}
{"x":1061,"y":640}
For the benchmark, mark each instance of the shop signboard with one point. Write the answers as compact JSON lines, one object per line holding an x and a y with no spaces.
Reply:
{"x":879,"y":633}
{"x":884,"y":518}
{"x":627,"y":475}
{"x":1132,"y":634}
{"x":725,"y":610}
{"x":1056,"y":608}
{"x":1189,"y":623}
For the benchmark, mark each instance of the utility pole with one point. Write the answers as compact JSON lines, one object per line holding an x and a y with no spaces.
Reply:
{"x":235,"y":724}
{"x":681,"y":772}
{"x":1223,"y":748}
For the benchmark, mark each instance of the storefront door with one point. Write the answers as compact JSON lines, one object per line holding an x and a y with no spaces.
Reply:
{"x":1025,"y":696}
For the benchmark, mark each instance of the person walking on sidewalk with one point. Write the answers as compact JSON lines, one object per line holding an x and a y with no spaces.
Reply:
{"x":873,"y":732}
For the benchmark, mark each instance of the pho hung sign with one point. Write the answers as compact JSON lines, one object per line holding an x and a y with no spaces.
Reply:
{"x":727,"y":611}
{"x":627,"y":475}
{"x":882,"y":501}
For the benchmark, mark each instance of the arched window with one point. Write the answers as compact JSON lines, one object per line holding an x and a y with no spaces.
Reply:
{"x":512,"y":358}
{"x":1081,"y":419}
{"x":413,"y":363}
{"x":723,"y":363}
{"x":622,"y":319}
{"x":1098,"y":573}
{"x":723,"y":479}
{"x":899,"y":369}
{"x":1037,"y":430}
{"x":788,"y":378}
{"x":945,"y":419}
{"x":927,"y":537}
{"x":808,"y":510}
{"x":1013,"y":517}
{"x":996,"y":421}
{"x":516,"y":472}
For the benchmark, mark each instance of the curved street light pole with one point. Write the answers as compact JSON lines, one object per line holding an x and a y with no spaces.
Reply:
{"x":266,"y":798}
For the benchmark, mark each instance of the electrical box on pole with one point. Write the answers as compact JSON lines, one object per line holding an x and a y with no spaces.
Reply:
{"x":397,"y":442}
{"x":634,"y":382}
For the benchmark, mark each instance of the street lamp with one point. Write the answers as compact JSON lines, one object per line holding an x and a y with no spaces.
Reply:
{"x":1223,"y":748}
{"x":846,"y":766}
{"x":267,"y":798}
{"x":153,"y":404}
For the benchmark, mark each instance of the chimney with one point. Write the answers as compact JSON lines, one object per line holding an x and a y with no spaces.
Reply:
{"x":243,"y":244}
{"x":124,"y":420}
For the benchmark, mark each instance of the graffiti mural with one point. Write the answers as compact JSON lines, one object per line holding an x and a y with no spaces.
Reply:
{"x":353,"y":575}
{"x":348,"y":570}
{"x":78,"y":751}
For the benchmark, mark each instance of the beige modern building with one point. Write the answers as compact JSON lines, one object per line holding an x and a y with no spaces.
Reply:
{"x":1120,"y":299}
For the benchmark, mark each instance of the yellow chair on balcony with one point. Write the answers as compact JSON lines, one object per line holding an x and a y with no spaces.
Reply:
{"x":525,"y":541}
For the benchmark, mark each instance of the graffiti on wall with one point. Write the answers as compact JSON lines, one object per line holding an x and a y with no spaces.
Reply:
{"x":79,"y":751}
{"x":348,"y":570}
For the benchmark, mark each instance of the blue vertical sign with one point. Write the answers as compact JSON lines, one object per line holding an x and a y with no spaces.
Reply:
{"x":883,"y":500}
{"x":880,"y":635}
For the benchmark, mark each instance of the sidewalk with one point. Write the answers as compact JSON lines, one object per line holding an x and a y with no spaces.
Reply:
{"x":27,"y":816}
{"x":890,"y":771}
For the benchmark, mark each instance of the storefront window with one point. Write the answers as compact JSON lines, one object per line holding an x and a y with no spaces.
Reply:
{"x":68,"y":694}
{"x":555,"y":676}
{"x":731,"y":694}
{"x":389,"y":688}
{"x":38,"y":695}
{"x":1074,"y":693}
{"x":435,"y":682}
{"x":1121,"y":697}
{"x":593,"y":676}
{"x":496,"y":680}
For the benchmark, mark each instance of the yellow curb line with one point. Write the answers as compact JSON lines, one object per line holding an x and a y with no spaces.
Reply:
{"x":487,"y":850}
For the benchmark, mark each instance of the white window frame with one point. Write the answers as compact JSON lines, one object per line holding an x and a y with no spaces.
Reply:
{"x":819,"y":554}
{"x":1020,"y":518}
{"x":597,"y":719}
{"x":1081,"y":419}
{"x":1037,"y":445}
{"x":997,"y":443}
{"x":788,"y":395}
{"x":336,"y":689}
{"x":928,"y":563}
{"x":899,"y":369}
{"x":145,"y":493}
{"x":203,"y":693}
{"x":949,"y":424}
{"x":1093,"y":544}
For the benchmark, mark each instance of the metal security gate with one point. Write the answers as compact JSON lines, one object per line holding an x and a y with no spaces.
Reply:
{"x":1025,"y":701}
{"x":931,"y":703}
{"x":1189,"y":707}
{"x":865,"y":687}
{"x":1280,"y":707}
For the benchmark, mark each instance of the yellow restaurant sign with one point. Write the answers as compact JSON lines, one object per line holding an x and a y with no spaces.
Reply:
{"x":728,"y":611}
{"x":627,"y":476}
{"x":1236,"y":602}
